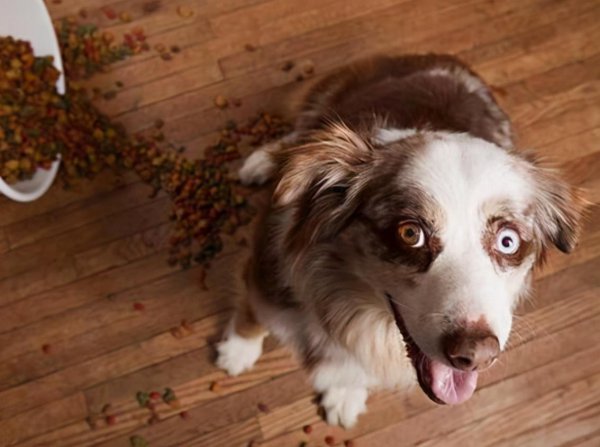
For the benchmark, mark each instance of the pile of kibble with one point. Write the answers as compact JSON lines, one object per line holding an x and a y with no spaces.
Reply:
{"x":37,"y":124}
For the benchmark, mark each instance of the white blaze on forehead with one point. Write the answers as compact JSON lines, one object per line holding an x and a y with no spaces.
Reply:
{"x":464,"y":175}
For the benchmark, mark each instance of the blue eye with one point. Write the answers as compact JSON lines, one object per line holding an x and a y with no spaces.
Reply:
{"x":507,"y":241}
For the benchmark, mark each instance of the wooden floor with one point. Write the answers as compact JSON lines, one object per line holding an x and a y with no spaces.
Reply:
{"x":74,"y":263}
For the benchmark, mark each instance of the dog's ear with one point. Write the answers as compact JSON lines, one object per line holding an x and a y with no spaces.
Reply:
{"x":322,"y":181}
{"x":559,"y":209}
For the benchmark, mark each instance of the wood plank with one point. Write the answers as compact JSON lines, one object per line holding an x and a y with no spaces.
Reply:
{"x":509,"y":380}
{"x":42,"y":419}
{"x":509,"y":393}
{"x":572,"y":426}
{"x":111,"y":227}
{"x":84,"y":291}
{"x":77,"y":214}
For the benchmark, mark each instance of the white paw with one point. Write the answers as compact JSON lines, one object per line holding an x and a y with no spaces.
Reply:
{"x":237,"y":354}
{"x":344,"y":405}
{"x":257,"y":168}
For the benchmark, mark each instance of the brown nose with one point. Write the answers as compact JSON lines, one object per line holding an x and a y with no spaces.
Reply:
{"x":471,"y":350}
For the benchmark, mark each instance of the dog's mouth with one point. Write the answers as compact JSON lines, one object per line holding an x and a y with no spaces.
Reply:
{"x":440,"y":382}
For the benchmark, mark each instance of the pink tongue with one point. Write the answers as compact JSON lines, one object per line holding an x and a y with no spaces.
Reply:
{"x":450,"y":385}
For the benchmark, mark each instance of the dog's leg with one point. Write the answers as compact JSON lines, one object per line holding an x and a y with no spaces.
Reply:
{"x":343,"y":388}
{"x":259,"y":167}
{"x":242,"y":342}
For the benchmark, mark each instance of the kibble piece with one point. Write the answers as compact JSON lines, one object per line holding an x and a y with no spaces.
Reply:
{"x":349,"y":443}
{"x":185,"y":11}
{"x":329,"y":440}
{"x":138,"y":306}
{"x":125,"y":17}
{"x":143,"y":398}
{"x":169,"y":396}
{"x":175,"y":49}
{"x":138,"y":441}
{"x":308,"y":68}
{"x":249,"y":47}
{"x":111,"y":419}
{"x":109,"y":13}
{"x":151,"y":6}
{"x":262,"y":407}
{"x":184,"y":415}
{"x":307,"y":429}
{"x":46,"y":348}
{"x":288,"y":65}
{"x":221,"y":102}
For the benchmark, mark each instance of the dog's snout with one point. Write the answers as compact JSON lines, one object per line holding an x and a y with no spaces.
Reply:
{"x":471,"y":350}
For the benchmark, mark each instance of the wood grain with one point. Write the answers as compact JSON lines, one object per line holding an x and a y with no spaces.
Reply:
{"x":74,"y":264}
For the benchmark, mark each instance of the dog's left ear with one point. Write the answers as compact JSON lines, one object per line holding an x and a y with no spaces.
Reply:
{"x":322,"y":181}
{"x":559,"y":209}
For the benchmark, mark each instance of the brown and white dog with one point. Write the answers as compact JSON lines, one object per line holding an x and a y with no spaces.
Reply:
{"x":402,"y":233}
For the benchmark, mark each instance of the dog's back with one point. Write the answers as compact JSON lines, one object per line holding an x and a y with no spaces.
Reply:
{"x":423,"y":92}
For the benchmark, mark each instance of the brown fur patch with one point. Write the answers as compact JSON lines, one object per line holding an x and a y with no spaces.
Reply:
{"x":402,"y":91}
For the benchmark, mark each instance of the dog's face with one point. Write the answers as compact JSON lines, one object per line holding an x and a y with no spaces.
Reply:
{"x":445,"y":226}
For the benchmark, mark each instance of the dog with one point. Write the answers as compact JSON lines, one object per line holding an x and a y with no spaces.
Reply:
{"x":402,"y":233}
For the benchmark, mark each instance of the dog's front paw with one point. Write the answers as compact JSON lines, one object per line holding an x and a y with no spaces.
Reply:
{"x":237,"y":354}
{"x":344,"y":405}
{"x":257,"y":168}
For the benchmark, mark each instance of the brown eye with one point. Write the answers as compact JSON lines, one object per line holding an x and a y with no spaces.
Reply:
{"x":411,"y":234}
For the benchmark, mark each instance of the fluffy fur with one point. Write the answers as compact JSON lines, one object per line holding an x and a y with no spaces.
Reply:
{"x":415,"y":139}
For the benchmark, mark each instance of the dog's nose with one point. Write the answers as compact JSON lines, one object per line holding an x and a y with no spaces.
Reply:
{"x":471,"y":350}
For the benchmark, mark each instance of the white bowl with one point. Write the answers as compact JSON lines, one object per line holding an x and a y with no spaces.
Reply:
{"x":29,"y":20}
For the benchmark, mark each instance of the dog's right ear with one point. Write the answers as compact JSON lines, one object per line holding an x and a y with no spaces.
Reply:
{"x":322,"y":180}
{"x":334,"y":158}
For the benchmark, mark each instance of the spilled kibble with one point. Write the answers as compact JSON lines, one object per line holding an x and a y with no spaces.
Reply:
{"x":349,"y":443}
{"x":138,"y":441}
{"x":152,"y":6}
{"x":185,"y":11}
{"x":125,"y":17}
{"x":142,"y":398}
{"x":263,"y":408}
{"x":329,"y":440}
{"x":169,"y":396}
{"x":111,"y":419}
{"x":249,"y":47}
{"x":221,"y":102}
{"x":184,"y":415}
{"x":138,"y":306}
{"x":308,"y":68}
{"x":307,"y":429}
{"x":288,"y":65}
{"x":109,"y":12}
{"x":46,"y":348}
{"x":40,"y":125}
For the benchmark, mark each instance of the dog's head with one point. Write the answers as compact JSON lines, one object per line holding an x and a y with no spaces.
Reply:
{"x":446,"y":226}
